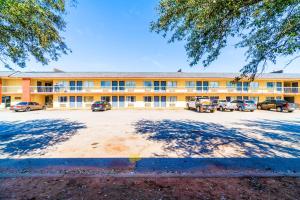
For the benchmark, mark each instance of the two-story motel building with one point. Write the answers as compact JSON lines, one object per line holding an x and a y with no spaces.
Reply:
{"x":77,"y":90}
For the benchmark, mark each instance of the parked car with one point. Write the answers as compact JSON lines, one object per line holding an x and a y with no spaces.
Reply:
{"x":244,"y":105}
{"x":101,"y":106}
{"x":278,"y":104}
{"x":201,"y":104}
{"x":223,"y":105}
{"x":27,"y":106}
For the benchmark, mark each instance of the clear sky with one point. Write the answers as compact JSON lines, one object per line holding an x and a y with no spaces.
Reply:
{"x":113,"y":35}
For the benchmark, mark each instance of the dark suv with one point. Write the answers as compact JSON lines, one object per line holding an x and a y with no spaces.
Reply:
{"x":101,"y":106}
{"x":279,"y":105}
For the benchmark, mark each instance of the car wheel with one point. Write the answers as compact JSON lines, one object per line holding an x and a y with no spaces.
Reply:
{"x":44,"y":108}
{"x":279,"y":109}
{"x":240,"y":109}
{"x":251,"y":110}
{"x":290,"y":111}
{"x":212,"y":111}
{"x":231,"y":110}
{"x":27,"y":109}
{"x":221,"y":109}
{"x":259,"y":107}
{"x":198,"y":109}
{"x":187,"y":106}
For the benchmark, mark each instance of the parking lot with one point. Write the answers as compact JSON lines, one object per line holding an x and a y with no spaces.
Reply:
{"x":148,"y":133}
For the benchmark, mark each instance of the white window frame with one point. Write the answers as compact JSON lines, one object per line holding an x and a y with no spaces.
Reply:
{"x":147,"y":98}
{"x":190,"y":84}
{"x":64,"y":97}
{"x":172,"y":99}
{"x":214,"y":84}
{"x":172,"y":84}
{"x":130,"y":99}
{"x":130,"y":84}
{"x":105,"y":85}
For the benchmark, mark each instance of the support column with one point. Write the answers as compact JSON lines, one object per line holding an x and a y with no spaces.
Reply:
{"x":26,"y":89}
{"x":0,"y":91}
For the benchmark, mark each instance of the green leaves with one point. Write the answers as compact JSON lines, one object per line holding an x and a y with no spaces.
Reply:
{"x":31,"y":28}
{"x":267,"y":28}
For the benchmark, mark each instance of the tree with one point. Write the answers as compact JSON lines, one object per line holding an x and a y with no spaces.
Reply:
{"x":268,"y":29}
{"x":31,"y":28}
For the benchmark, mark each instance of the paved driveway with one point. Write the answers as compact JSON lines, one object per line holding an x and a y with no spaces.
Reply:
{"x":140,"y":133}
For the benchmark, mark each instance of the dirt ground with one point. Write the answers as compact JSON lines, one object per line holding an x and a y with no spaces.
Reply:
{"x":150,"y":188}
{"x":148,"y":133}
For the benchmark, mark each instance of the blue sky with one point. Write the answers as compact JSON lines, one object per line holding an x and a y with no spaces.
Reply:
{"x":113,"y":35}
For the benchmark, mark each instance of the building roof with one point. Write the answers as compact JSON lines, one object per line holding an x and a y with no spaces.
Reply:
{"x":141,"y":75}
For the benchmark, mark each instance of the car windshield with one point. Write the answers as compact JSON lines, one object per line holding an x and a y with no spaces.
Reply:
{"x":281,"y":101}
{"x":22,"y":104}
{"x":250,"y":102}
{"x":99,"y":102}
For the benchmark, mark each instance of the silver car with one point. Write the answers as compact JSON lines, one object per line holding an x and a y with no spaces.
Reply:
{"x":244,"y":105}
{"x":223,"y":105}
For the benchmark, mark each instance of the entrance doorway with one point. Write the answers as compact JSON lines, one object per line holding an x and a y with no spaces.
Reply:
{"x":289,"y":99}
{"x":49,"y":101}
{"x":6,"y":100}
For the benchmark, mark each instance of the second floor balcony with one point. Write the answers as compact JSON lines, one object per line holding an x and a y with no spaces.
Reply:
{"x":12,"y":89}
{"x":163,"y":89}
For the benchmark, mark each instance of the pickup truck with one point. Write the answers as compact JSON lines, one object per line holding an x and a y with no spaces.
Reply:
{"x":201,"y":104}
{"x":224,"y":105}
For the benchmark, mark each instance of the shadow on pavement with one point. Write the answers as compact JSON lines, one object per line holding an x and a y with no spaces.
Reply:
{"x":23,"y":137}
{"x":193,"y":138}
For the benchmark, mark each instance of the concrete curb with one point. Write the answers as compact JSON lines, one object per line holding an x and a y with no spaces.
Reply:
{"x":151,"y":167}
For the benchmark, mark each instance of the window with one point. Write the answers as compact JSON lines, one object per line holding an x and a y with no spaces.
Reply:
{"x":173,"y":99}
{"x":148,"y":99}
{"x":230,"y":84}
{"x":254,"y":85}
{"x":188,"y":98}
{"x":148,"y":84}
{"x":63,"y":83}
{"x":130,"y":99}
{"x":23,"y":104}
{"x":278,"y":97}
{"x":130,"y":84}
{"x":213,"y":84}
{"x":105,"y":98}
{"x":270,"y":85}
{"x":228,"y":98}
{"x":89,"y":84}
{"x":63,"y":99}
{"x":269,"y":98}
{"x":190,"y":84}
{"x":172,"y":84}
{"x":255,"y":99}
{"x":213,"y":97}
{"x":105,"y":84}
{"x":279,"y":86}
{"x":88,"y":99}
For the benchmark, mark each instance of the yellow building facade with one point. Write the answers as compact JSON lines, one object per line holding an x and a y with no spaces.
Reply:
{"x":77,"y":90}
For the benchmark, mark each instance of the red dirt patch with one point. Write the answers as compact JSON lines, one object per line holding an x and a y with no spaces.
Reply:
{"x":149,"y":188}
